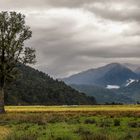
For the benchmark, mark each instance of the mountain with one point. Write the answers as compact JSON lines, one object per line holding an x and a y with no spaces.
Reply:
{"x":138,"y":71}
{"x":111,"y":74}
{"x":111,"y":83}
{"x":36,"y":88}
{"x":103,"y":95}
{"x":131,"y":91}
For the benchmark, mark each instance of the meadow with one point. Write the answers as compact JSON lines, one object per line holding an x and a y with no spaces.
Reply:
{"x":100,"y":122}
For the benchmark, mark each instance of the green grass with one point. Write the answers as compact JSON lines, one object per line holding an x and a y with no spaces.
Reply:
{"x":70,"y":123}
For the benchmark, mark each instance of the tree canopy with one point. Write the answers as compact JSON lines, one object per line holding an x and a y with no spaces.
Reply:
{"x":13,"y":33}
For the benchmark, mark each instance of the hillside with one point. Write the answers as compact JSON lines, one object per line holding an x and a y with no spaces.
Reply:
{"x":132,"y":91}
{"x":36,"y":88}
{"x":138,"y":71}
{"x":103,"y":95}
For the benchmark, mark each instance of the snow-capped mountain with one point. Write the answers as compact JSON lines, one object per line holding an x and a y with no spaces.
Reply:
{"x":111,"y":83}
{"x":113,"y":74}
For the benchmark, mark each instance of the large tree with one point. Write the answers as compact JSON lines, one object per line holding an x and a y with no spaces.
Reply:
{"x":13,"y":33}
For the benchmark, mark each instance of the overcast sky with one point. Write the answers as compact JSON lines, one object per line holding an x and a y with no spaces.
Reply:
{"x":74,"y":35}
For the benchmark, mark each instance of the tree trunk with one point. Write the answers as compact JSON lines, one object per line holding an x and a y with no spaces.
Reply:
{"x":2,"y":110}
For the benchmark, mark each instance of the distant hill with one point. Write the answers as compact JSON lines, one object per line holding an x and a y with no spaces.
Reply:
{"x":36,"y":88}
{"x":111,"y":83}
{"x":103,"y":95}
{"x":131,"y":91}
{"x":138,"y":71}
{"x":111,"y":74}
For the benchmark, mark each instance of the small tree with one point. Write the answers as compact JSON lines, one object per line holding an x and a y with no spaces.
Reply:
{"x":13,"y":33}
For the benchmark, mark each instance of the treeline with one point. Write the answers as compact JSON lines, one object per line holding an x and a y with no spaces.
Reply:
{"x":37,"y":88}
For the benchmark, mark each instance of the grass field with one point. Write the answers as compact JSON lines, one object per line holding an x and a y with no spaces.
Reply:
{"x":73,"y":108}
{"x":120,"y":122}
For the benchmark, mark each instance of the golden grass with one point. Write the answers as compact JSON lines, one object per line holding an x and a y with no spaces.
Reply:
{"x":94,"y":108}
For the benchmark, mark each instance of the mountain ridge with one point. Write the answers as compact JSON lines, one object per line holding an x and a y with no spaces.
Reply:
{"x":103,"y":95}
{"x":110,"y":83}
{"x":113,"y":73}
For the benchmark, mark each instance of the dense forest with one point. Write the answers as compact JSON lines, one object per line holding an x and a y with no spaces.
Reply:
{"x":33,"y":87}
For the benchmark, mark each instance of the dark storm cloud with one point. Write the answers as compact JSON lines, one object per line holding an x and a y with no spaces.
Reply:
{"x":74,"y":35}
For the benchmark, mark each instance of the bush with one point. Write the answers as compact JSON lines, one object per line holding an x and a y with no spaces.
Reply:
{"x":133,"y":124}
{"x":116,"y":122}
{"x":73,"y":120}
{"x":105,"y":123}
{"x":90,"y":121}
{"x":83,"y":131}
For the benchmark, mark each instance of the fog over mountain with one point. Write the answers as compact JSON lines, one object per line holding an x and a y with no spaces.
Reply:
{"x":74,"y":35}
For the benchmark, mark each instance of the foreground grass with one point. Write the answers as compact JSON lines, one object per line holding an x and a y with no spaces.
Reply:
{"x":70,"y":123}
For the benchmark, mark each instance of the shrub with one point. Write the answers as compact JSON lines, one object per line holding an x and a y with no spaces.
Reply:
{"x":116,"y":122}
{"x":133,"y":124}
{"x":83,"y":131}
{"x":90,"y":121}
{"x":73,"y":121}
{"x":104,"y":123}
